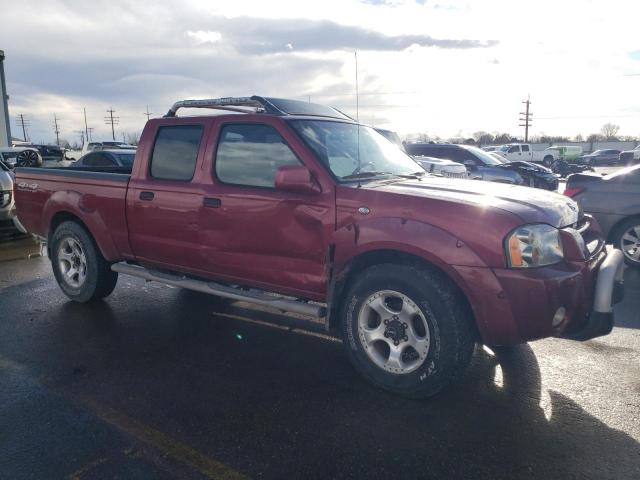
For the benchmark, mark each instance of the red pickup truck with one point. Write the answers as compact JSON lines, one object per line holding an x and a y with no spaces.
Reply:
{"x":297,"y":206}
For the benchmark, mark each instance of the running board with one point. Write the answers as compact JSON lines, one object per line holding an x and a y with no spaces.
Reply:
{"x":258,"y":297}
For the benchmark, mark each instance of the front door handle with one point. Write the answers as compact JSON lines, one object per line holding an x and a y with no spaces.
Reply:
{"x":148,"y":196}
{"x":212,"y":202}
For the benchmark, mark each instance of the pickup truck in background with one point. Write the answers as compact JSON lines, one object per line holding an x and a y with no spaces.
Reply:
{"x":523,"y":151}
{"x":296,"y":206}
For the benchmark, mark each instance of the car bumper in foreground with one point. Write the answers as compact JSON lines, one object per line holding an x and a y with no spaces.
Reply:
{"x":609,"y":290}
{"x":571,"y":300}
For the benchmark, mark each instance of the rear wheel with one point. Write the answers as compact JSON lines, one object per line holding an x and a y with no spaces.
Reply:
{"x":407,"y":329}
{"x":80,"y":269}
{"x":626,"y":237}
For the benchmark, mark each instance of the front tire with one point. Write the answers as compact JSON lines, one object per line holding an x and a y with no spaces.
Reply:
{"x":407,"y":329}
{"x":547,"y":161}
{"x":626,"y":237}
{"x":80,"y":269}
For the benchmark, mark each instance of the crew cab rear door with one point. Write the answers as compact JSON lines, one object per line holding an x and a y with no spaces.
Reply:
{"x":165,"y":193}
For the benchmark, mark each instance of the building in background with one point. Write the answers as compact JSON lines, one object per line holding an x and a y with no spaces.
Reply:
{"x":5,"y":130}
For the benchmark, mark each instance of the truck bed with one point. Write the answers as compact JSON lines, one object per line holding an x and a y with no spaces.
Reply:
{"x":96,"y":195}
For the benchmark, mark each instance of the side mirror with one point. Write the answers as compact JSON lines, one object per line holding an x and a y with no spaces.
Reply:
{"x":296,"y":179}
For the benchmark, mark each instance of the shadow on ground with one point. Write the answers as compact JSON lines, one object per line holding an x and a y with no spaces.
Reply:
{"x":273,"y":403}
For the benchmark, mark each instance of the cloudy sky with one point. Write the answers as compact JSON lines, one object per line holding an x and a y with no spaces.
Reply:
{"x":443,"y":67}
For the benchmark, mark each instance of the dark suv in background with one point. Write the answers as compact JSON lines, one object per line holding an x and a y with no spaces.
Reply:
{"x":484,"y":166}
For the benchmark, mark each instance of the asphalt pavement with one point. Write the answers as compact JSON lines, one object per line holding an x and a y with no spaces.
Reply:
{"x":156,"y":382}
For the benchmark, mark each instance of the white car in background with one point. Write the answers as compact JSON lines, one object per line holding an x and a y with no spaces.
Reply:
{"x":442,"y":167}
{"x":91,"y":146}
{"x":26,"y":156}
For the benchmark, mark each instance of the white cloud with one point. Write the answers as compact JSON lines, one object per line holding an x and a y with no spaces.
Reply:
{"x":570,"y":56}
{"x":202,"y":36}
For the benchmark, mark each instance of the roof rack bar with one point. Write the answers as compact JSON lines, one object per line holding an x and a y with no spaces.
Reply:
{"x":234,"y":104}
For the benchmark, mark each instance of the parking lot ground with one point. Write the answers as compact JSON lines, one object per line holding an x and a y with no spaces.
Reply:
{"x":156,"y":382}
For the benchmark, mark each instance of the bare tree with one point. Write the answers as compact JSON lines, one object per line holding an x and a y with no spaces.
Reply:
{"x":610,"y":131}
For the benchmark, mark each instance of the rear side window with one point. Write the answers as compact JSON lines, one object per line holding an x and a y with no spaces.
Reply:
{"x":175,"y":152}
{"x":251,"y":154}
{"x":525,"y":148}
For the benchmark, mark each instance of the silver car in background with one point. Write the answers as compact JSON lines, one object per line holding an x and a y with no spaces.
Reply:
{"x":442,"y":167}
{"x":614,"y":201}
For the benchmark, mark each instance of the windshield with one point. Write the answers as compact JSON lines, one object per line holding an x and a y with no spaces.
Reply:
{"x":337,"y":145}
{"x":482,"y":155}
{"x":126,"y":159}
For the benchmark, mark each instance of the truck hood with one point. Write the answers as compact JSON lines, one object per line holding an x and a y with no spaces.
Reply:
{"x":531,"y":205}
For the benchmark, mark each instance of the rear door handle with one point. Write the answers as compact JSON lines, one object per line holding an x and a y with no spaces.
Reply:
{"x":148,"y":196}
{"x":212,"y":202}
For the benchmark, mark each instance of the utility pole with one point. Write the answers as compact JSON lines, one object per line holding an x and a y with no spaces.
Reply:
{"x":56,"y":129}
{"x":527,"y":119}
{"x":113,"y":121}
{"x":148,"y":113}
{"x":86,"y":129}
{"x":355,"y":54}
{"x":81,"y":132}
{"x":24,"y":123}
{"x":89,"y":134}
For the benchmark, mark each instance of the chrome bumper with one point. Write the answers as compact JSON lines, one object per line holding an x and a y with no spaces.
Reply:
{"x":609,"y":290}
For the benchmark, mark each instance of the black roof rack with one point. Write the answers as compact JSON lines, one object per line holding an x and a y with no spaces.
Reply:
{"x":273,"y":106}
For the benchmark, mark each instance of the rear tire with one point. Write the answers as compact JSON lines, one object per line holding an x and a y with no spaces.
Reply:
{"x":547,"y":161}
{"x":626,"y":237}
{"x":407,"y":329}
{"x":80,"y":269}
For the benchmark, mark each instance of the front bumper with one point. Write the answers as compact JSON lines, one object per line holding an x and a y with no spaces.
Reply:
{"x":571,"y":300}
{"x":609,"y":290}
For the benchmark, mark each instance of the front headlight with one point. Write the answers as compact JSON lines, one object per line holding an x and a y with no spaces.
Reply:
{"x":533,"y":246}
{"x":5,"y":199}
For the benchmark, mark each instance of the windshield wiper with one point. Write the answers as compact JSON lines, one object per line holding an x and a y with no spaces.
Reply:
{"x":365,"y":175}
{"x":377,"y":174}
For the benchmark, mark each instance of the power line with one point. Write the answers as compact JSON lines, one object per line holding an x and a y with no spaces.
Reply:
{"x":24,"y":123}
{"x":527,"y":119}
{"x":113,"y":121}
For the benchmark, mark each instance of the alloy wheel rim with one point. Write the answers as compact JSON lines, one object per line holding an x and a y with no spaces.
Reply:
{"x":72,"y":262}
{"x":630,"y":243}
{"x":393,"y":332}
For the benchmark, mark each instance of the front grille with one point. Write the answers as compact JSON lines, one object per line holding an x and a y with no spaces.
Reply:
{"x":592,"y":239}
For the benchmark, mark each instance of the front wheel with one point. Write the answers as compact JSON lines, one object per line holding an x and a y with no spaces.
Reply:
{"x":80,"y":269}
{"x":407,"y":329}
{"x":626,"y":237}
{"x":547,"y":161}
